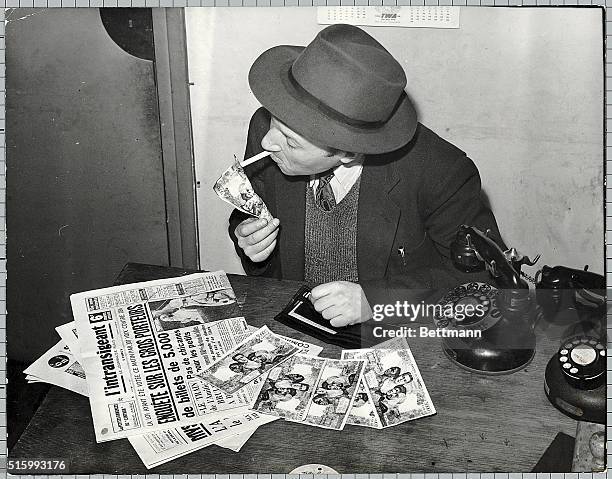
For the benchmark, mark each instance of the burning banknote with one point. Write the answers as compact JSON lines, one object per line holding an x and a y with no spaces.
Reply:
{"x":235,"y":188}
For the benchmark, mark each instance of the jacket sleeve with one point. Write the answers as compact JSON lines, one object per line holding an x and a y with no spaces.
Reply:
{"x":454,"y":198}
{"x":449,"y":195}
{"x":257,"y":172}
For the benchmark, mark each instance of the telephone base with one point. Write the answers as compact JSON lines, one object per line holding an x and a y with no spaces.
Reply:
{"x":514,"y":360}
{"x":563,"y":317}
{"x":505,"y":342}
{"x":579,"y":404}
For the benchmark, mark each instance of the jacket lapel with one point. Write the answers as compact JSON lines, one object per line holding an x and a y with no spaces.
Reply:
{"x":291,"y":204}
{"x":377,"y":219}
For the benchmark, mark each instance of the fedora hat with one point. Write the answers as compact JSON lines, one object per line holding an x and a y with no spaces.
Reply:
{"x":344,"y":90}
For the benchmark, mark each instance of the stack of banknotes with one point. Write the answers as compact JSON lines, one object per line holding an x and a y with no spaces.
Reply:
{"x":378,"y":387}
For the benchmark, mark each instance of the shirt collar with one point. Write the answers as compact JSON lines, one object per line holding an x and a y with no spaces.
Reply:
{"x":345,"y":175}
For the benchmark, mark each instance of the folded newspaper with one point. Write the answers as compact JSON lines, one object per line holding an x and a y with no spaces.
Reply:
{"x":172,"y":366}
{"x":59,"y":367}
{"x":143,"y":346}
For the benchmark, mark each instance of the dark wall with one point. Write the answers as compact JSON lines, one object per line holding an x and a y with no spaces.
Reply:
{"x":84,"y":169}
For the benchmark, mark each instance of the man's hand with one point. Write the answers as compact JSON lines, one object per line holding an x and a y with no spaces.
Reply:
{"x":257,"y":237}
{"x":342,"y":302}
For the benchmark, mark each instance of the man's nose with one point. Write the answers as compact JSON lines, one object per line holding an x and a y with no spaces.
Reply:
{"x":269,"y":142}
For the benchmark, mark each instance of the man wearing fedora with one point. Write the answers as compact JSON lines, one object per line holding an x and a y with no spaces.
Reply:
{"x":366,"y":200}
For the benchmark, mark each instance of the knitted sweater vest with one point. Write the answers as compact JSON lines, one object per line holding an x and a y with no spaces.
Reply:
{"x":330,"y":240}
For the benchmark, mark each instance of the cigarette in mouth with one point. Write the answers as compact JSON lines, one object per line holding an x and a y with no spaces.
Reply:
{"x":255,"y":158}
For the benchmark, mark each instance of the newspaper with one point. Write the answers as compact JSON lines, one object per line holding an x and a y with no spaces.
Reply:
{"x":159,"y":447}
{"x":78,"y":384}
{"x":59,"y":367}
{"x":217,"y":400}
{"x":235,"y":442}
{"x":306,"y":348}
{"x":68,"y":333}
{"x":143,"y":346}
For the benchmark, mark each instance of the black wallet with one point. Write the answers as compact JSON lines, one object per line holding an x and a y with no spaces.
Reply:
{"x":300,"y":315}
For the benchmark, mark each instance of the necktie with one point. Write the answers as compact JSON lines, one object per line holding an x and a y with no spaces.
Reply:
{"x":325,"y":198}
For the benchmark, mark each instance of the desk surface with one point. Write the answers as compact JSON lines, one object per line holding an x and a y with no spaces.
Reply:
{"x":483,"y":424}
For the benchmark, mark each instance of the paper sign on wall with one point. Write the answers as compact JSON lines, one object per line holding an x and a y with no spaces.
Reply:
{"x":405,"y":16}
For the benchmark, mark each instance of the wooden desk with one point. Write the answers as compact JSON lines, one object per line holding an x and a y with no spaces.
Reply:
{"x":483,"y":424}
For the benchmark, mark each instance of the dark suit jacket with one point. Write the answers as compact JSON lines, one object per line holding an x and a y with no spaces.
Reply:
{"x":414,"y":198}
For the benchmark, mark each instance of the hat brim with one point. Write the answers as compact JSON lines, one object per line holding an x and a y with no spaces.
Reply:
{"x":270,"y":83}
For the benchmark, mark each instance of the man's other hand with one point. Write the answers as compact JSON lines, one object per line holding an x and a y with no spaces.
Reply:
{"x":257,"y":237}
{"x":341,"y":302}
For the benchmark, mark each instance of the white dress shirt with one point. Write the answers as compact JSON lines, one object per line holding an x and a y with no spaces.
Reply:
{"x":345,"y":176}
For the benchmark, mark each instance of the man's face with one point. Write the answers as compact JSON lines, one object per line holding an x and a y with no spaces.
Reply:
{"x":236,"y":368}
{"x":393,"y":393}
{"x":282,"y":393}
{"x":294,"y":154}
{"x":241,"y":358}
{"x":392,"y":372}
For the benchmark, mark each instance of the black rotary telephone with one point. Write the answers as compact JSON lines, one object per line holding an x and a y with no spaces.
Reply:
{"x":575,"y":379}
{"x":497,"y":336}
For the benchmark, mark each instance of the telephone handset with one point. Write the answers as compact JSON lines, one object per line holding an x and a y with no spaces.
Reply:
{"x":575,"y":378}
{"x":567,"y":294}
{"x":497,"y":337}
